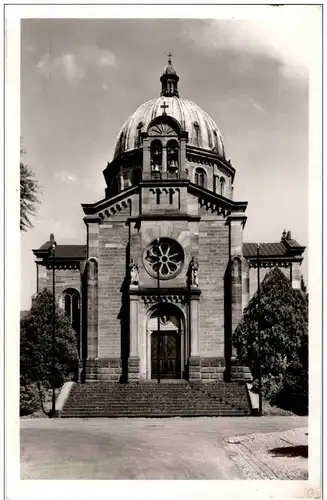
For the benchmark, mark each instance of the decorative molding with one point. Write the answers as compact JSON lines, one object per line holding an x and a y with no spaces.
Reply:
{"x":115,"y":209}
{"x":164,"y":299}
{"x":162,"y":129}
{"x":63,"y":265}
{"x":270,"y":263}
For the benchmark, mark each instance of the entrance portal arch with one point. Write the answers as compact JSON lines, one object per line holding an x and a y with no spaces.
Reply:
{"x":166,"y":341}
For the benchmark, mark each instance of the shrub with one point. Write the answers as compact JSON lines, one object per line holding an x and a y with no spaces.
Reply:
{"x":36,"y":352}
{"x":284,"y":332}
{"x":29,"y":401}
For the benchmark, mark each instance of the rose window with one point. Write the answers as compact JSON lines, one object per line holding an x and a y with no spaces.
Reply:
{"x":165,"y":257}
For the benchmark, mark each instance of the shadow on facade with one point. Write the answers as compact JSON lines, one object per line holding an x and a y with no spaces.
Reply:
{"x":228,"y":322}
{"x":123,"y":316}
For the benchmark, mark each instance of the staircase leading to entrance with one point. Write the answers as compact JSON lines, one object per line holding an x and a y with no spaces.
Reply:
{"x":100,"y":399}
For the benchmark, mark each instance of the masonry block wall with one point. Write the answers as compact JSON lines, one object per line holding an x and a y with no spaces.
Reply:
{"x":113,"y":240}
{"x":213,"y":262}
{"x":64,"y":279}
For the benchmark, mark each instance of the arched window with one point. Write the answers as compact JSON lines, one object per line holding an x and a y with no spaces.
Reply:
{"x":222,"y":186}
{"x":215,"y":183}
{"x":156,"y":155}
{"x":197,"y":137}
{"x":201,"y":178}
{"x":72,"y":307}
{"x":172,"y":156}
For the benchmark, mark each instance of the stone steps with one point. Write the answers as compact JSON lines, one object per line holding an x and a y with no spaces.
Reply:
{"x":101,"y":399}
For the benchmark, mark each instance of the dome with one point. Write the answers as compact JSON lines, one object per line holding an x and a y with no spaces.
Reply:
{"x":202,"y":130}
{"x":169,"y":70}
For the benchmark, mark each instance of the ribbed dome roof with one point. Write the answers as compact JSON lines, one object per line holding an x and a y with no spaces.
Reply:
{"x":188,"y":114}
{"x":169,"y":70}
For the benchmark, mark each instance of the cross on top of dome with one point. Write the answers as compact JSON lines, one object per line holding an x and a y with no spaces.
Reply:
{"x":164,"y":106}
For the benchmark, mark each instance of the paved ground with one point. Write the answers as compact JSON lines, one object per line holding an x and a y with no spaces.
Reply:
{"x":194,"y":448}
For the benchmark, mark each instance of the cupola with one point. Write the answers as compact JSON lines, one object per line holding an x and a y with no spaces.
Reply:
{"x":169,"y":80}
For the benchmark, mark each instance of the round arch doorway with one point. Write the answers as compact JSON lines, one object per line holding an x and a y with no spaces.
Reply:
{"x":166,"y":343}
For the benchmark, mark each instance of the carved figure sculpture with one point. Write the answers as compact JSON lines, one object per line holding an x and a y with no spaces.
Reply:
{"x":134,"y":273}
{"x":193,"y":273}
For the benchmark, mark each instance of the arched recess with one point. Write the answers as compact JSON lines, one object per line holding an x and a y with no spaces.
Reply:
{"x":222,"y":186}
{"x":201,"y":177}
{"x":215,"y":183}
{"x":172,"y":155}
{"x":71,"y":303}
{"x":197,"y":134}
{"x":174,"y":345}
{"x":71,"y":306}
{"x":156,"y":155}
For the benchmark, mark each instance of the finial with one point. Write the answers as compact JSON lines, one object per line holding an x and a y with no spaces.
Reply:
{"x":169,"y":57}
{"x":52,"y":238}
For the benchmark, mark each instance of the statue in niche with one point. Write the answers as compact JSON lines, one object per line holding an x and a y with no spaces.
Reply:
{"x":193,"y":272}
{"x":134,"y":273}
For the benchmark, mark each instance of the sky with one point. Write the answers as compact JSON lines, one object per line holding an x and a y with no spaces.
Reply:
{"x":81,"y":79}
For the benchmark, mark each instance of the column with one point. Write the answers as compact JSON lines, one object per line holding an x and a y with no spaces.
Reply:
{"x":296,"y":275}
{"x":194,"y":332}
{"x":182,"y":155}
{"x":146,"y":159}
{"x":164,"y":159}
{"x":133,"y":360}
{"x":133,"y":310}
{"x":90,"y":321}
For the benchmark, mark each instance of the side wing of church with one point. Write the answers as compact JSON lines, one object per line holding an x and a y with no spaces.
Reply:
{"x":164,"y":275}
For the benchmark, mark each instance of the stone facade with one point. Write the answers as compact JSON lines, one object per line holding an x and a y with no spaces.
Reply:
{"x":164,"y":276}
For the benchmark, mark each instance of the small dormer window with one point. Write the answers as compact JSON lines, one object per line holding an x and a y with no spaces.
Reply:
{"x":216,"y":141}
{"x":196,"y":134}
{"x":201,"y":178}
{"x":138,"y":139}
{"x":222,"y":186}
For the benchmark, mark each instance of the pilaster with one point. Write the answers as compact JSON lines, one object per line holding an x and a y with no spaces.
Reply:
{"x":146,"y":157}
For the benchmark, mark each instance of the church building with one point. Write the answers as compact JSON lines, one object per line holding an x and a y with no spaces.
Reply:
{"x":164,"y":275}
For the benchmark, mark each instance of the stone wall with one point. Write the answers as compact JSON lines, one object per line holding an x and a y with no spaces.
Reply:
{"x":213,"y":262}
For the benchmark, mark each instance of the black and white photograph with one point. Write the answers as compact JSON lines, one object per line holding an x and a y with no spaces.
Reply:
{"x":169,"y":248}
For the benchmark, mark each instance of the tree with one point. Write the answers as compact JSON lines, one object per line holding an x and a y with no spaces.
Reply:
{"x":29,"y":190}
{"x":36,"y":354}
{"x":284,"y":332}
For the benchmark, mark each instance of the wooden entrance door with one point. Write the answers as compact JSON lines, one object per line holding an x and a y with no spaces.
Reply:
{"x":169,"y":355}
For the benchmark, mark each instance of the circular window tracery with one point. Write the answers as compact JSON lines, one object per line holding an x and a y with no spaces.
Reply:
{"x":165,"y":256}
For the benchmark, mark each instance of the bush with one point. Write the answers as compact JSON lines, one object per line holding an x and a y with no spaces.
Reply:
{"x":294,"y":393}
{"x":283,"y":324}
{"x":29,"y":401}
{"x":39,"y":364}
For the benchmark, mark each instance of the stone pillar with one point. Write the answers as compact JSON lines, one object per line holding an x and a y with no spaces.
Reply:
{"x":146,"y":158}
{"x":164,"y":159}
{"x":41,"y":277}
{"x":194,"y":326}
{"x":90,"y":300}
{"x":133,"y":323}
{"x":133,"y":360}
{"x":92,"y":309}
{"x":296,"y":275}
{"x":182,"y":157}
{"x":236,"y":225}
